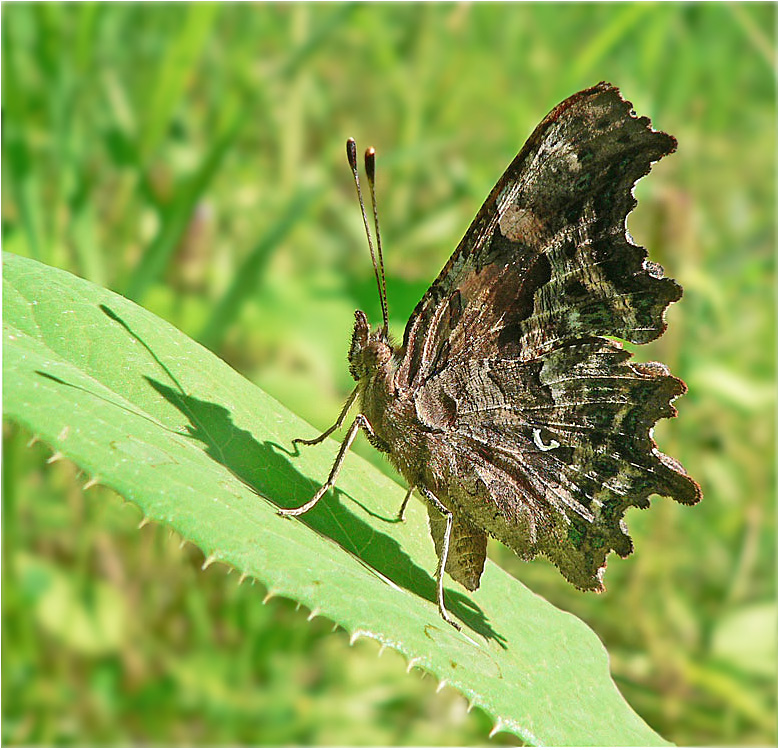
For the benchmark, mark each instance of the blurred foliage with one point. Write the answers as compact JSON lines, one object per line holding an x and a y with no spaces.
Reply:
{"x":191,"y":157}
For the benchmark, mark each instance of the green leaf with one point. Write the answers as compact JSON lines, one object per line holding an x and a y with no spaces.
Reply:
{"x":145,"y":410}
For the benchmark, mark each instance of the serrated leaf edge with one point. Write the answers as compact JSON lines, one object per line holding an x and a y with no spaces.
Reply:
{"x":502,"y":724}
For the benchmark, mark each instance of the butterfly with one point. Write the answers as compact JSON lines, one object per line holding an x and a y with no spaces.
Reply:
{"x":509,"y":406}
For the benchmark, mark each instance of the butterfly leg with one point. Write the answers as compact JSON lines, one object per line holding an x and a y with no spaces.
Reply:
{"x":339,"y":422}
{"x":360,"y":422}
{"x":445,"y":549}
{"x":400,"y":516}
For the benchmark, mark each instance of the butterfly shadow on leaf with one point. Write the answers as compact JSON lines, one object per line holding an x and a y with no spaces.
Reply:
{"x":265,"y":469}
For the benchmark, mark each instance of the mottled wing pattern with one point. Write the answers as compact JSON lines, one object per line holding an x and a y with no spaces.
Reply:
{"x":548,"y":256}
{"x":546,"y":455}
{"x":544,"y":425}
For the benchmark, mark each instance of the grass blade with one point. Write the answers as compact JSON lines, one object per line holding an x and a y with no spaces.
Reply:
{"x":249,"y":274}
{"x":177,"y":217}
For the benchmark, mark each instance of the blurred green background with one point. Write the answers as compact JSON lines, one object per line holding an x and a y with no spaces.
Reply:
{"x":191,"y":157}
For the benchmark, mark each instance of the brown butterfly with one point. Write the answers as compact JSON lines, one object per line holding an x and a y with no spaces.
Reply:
{"x":508,"y":406}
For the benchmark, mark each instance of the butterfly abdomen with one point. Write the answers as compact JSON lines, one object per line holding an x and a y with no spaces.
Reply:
{"x":468,"y":548}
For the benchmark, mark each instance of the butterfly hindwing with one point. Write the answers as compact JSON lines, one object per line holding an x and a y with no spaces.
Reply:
{"x":547,"y":455}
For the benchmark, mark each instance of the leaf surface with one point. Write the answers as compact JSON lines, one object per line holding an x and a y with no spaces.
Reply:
{"x":145,"y":410}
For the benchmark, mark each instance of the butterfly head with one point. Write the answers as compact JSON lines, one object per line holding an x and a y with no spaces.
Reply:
{"x":369,"y":350}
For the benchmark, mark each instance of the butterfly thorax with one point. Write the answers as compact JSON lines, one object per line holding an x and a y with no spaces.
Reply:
{"x":389,"y":411}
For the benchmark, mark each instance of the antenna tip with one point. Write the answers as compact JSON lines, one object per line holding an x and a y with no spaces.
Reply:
{"x":370,"y":161}
{"x":352,"y":153}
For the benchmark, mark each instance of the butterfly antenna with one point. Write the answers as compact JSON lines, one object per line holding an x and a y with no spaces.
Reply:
{"x":379,"y":272}
{"x":370,"y":162}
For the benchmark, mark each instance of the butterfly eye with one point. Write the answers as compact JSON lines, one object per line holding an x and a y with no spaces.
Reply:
{"x":546,"y":442}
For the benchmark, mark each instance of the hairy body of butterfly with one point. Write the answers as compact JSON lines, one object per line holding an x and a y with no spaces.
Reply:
{"x":508,"y":406}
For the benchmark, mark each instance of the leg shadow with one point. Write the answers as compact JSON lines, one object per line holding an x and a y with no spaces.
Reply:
{"x":265,"y":468}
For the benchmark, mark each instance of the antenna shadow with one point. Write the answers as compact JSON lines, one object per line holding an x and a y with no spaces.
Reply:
{"x":265,"y":468}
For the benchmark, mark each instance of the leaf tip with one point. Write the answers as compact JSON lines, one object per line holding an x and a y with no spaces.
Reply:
{"x":361,"y":634}
{"x":413,"y":662}
{"x":56,"y":456}
{"x":442,"y":684}
{"x":91,"y":483}
{"x":145,"y":520}
{"x":208,"y":561}
{"x":314,"y":613}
